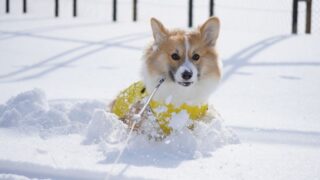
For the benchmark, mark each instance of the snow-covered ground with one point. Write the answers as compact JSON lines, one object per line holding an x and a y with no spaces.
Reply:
{"x":58,"y":75}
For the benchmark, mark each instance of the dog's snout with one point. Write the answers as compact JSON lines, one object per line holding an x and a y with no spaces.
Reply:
{"x":186,"y":75}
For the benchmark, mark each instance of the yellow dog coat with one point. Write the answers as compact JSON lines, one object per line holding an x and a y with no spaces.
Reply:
{"x":137,"y":91}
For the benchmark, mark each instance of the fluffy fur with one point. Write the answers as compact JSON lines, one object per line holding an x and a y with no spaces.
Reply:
{"x":188,"y":61}
{"x":176,"y":55}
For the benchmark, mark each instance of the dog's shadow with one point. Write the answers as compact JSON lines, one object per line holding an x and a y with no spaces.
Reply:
{"x":160,"y":155}
{"x":140,"y":159}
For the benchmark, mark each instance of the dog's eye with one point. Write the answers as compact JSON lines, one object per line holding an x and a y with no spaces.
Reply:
{"x":196,"y":57}
{"x":175,"y":56}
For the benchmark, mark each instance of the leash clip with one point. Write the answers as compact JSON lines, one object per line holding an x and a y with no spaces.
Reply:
{"x":137,"y":117}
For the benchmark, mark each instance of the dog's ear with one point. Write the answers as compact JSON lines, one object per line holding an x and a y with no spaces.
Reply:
{"x":210,"y":31}
{"x":160,"y":33}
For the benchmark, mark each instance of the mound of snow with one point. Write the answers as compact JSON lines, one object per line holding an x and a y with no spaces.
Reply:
{"x":105,"y":127}
{"x":31,"y":111}
{"x":82,"y":112}
{"x":205,"y":137}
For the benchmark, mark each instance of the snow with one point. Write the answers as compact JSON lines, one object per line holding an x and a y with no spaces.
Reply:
{"x":57,"y":77}
{"x":105,"y":127}
{"x":31,"y":111}
{"x":179,"y":121}
{"x":13,"y":177}
{"x":63,"y":129}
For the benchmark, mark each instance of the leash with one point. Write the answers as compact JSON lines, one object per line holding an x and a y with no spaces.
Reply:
{"x":135,"y":120}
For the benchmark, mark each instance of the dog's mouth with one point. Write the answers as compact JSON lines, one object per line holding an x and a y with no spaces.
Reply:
{"x":185,"y":84}
{"x":182,"y":83}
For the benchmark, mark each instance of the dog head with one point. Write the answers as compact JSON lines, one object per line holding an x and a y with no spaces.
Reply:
{"x":185,"y":58}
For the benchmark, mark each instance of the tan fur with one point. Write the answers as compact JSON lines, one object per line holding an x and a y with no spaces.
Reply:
{"x":158,"y":61}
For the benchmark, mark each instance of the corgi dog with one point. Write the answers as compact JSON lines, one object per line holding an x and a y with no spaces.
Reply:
{"x":188,"y":60}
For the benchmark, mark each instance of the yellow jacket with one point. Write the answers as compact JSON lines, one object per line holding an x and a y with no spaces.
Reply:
{"x":137,"y":92}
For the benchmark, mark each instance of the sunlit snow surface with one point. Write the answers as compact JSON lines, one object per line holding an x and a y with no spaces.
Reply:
{"x":57,"y":77}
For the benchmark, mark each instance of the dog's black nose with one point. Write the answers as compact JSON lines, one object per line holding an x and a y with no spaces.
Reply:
{"x":186,"y":75}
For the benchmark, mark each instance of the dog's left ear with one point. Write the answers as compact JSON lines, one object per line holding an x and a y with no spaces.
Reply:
{"x":210,"y":31}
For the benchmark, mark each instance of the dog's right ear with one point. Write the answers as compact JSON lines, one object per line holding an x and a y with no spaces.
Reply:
{"x":160,"y":33}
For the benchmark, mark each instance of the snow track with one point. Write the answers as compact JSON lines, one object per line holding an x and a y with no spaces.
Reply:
{"x":31,"y":170}
{"x":276,"y":136}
